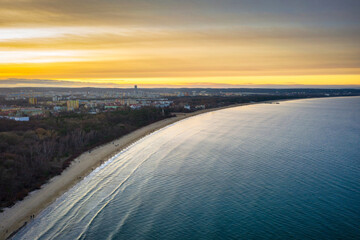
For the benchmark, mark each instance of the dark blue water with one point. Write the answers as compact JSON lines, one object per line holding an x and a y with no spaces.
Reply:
{"x":266,"y":171}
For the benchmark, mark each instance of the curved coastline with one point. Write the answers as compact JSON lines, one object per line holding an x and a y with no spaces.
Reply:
{"x":13,"y":218}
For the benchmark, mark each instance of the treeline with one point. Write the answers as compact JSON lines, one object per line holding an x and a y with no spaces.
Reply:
{"x":219,"y":101}
{"x":33,"y":152}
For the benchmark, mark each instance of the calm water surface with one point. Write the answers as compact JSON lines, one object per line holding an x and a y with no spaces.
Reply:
{"x":266,"y":171}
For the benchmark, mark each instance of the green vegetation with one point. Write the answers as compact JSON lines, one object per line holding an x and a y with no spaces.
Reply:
{"x":33,"y":152}
{"x":220,"y":101}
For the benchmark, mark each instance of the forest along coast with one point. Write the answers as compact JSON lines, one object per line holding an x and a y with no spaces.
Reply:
{"x":33,"y":152}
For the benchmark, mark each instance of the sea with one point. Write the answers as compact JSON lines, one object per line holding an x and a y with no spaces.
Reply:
{"x":286,"y":170}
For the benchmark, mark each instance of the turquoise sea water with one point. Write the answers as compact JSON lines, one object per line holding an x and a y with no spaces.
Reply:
{"x":265,"y":171}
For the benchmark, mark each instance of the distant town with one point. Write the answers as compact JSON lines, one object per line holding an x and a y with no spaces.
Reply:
{"x":22,"y":104}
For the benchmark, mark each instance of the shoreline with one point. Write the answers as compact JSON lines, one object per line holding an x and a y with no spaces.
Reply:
{"x":14,"y":218}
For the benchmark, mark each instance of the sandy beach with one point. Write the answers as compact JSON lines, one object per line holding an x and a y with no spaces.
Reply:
{"x":18,"y":215}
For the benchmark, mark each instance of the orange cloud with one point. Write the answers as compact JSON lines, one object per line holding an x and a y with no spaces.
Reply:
{"x":161,"y":43}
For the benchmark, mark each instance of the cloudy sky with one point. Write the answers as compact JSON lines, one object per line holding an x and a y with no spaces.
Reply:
{"x":179,"y":43}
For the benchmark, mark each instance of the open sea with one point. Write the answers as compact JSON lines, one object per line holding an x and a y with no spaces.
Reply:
{"x":264,"y":171}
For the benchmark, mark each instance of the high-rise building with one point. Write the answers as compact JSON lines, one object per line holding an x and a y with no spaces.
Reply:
{"x":72,"y":105}
{"x":56,"y":98}
{"x":33,"y":101}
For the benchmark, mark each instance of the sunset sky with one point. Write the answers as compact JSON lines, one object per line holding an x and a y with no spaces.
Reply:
{"x":205,"y":43}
